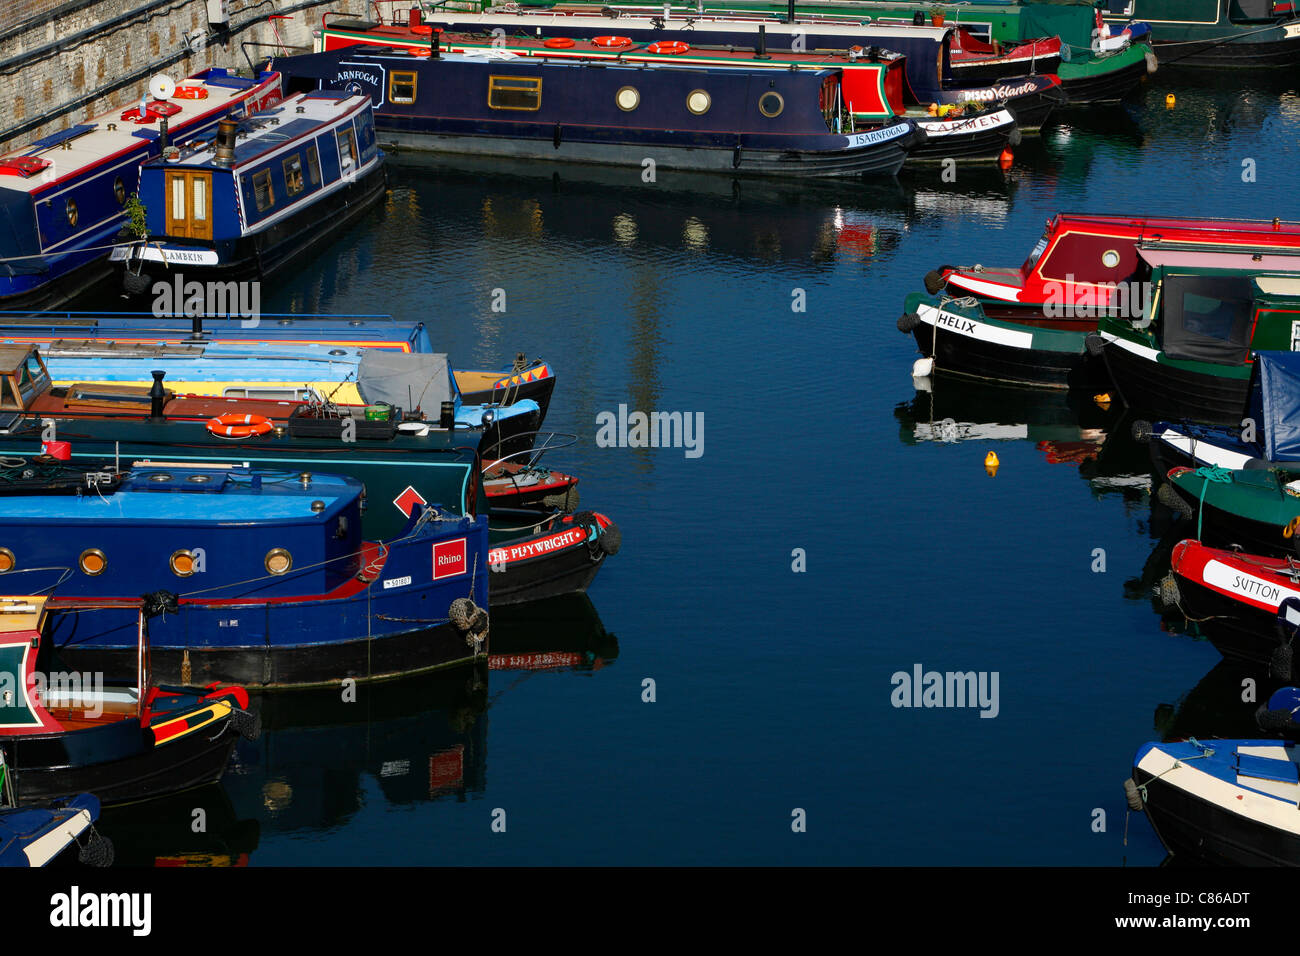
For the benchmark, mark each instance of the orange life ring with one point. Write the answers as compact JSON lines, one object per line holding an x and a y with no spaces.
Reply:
{"x":611,"y":42}
{"x":231,"y":425}
{"x":191,"y":92}
{"x":422,"y":30}
{"x":558,"y":43}
{"x":668,"y":46}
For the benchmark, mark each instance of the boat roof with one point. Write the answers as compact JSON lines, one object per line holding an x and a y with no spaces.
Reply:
{"x":362,"y":52}
{"x":299,"y":115}
{"x":165,"y":493}
{"x":1152,"y":226}
{"x":106,"y":136}
{"x":1244,"y":260}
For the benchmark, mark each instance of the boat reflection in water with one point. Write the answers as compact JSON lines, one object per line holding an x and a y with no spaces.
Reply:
{"x":196,"y":828}
{"x":322,"y":756}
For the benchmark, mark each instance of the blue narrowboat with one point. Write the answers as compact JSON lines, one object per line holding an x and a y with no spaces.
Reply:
{"x":63,"y":198}
{"x":268,"y":187}
{"x":738,"y":120}
{"x":254,"y":576}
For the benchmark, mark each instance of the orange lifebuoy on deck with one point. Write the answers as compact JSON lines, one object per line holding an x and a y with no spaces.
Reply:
{"x":231,"y":425}
{"x":611,"y":42}
{"x":558,"y":43}
{"x":191,"y":93}
{"x":422,"y":30}
{"x":668,"y":46}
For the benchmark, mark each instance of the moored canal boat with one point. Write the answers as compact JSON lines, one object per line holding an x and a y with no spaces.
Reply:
{"x":64,"y":217}
{"x":35,"y":836}
{"x":120,"y":741}
{"x":1216,"y":33}
{"x":740,"y":121}
{"x":1092,"y":262}
{"x":1189,"y":354}
{"x":256,"y":577}
{"x":269,"y":187}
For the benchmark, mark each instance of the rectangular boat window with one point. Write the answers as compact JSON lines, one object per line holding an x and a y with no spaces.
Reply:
{"x":199,"y":195}
{"x":313,"y":165}
{"x":347,"y":150}
{"x":178,"y":197}
{"x":293,"y":184}
{"x":514,"y":93}
{"x":263,"y":194}
{"x":401,"y":87}
{"x":7,"y":399}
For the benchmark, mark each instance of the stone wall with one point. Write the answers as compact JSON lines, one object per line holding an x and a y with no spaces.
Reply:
{"x":65,"y":61}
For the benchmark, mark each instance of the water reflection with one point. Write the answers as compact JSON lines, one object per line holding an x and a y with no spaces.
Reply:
{"x":196,"y":828}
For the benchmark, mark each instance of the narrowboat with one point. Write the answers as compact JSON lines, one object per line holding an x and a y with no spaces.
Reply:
{"x":304,"y":373}
{"x":740,"y":121}
{"x":984,"y":44}
{"x":1255,"y":509}
{"x":923,"y":56}
{"x":65,"y":733}
{"x":257,"y":577}
{"x":1236,"y":598}
{"x":960,"y":339}
{"x":269,"y":187}
{"x":404,"y":459}
{"x":1216,"y":33}
{"x":525,"y":379}
{"x":1084,"y":264}
{"x":64,"y":197}
{"x":35,"y":836}
{"x":1189,"y":355}
{"x":1265,"y":438}
{"x":1221,"y":801}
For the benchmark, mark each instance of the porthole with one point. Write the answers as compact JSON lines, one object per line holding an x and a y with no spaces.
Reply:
{"x":278,"y":561}
{"x":92,"y":562}
{"x":160,"y":476}
{"x":771,"y":104}
{"x":70,"y":210}
{"x":1110,"y":258}
{"x":698,"y":102}
{"x":627,"y":99}
{"x":119,"y":191}
{"x":199,"y":479}
{"x":7,"y":560}
{"x":182,"y":563}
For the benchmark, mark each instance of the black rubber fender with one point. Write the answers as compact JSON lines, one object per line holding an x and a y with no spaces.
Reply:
{"x":97,"y":850}
{"x":247,"y":723}
{"x":1168,"y":496}
{"x":908,"y":321}
{"x":1094,"y":343}
{"x":1274,"y":721}
{"x":934,"y":280}
{"x":1141,"y":430}
{"x":1282,"y":661}
{"x":611,"y":539}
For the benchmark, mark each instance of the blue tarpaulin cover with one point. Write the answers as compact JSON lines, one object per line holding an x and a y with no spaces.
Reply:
{"x":1275,"y":404}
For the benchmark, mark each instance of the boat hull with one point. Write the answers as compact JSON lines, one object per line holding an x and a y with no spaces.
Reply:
{"x":1159,"y":390}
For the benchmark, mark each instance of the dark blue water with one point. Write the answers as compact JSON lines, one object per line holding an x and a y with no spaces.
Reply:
{"x":773,"y":688}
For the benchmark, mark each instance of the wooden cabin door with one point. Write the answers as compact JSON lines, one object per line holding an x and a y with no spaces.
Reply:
{"x":189,"y":204}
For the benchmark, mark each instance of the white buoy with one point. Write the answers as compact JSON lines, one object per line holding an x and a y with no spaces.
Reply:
{"x":922,"y":384}
{"x":922,"y":367}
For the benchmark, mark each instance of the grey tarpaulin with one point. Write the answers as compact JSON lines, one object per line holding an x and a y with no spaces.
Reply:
{"x":406,"y":379}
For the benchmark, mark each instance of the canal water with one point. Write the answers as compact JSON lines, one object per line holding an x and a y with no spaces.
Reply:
{"x":727,"y":693}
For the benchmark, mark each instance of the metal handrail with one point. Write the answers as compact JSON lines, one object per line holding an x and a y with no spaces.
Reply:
{"x":535,"y":451}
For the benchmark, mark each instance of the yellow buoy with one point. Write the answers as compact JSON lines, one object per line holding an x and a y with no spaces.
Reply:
{"x":1169,"y":101}
{"x":991,"y":463}
{"x":1102,"y":400}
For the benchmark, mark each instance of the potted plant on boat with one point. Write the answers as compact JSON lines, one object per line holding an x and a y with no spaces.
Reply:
{"x":936,"y":16}
{"x":137,"y":227}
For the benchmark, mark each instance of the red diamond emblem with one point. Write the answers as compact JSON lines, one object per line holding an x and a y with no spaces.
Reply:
{"x":407,"y":500}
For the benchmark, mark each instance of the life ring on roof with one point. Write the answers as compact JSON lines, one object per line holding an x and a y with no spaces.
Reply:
{"x":422,"y":29}
{"x":191,"y":93}
{"x":232,"y":425}
{"x":609,"y":43}
{"x":668,"y":46}
{"x":558,"y":43}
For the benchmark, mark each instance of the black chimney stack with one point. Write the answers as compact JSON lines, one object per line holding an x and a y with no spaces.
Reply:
{"x":162,"y":135}
{"x":790,"y":13}
{"x":762,"y":43}
{"x":196,"y":326}
{"x":156,"y":395}
{"x":435,"y":50}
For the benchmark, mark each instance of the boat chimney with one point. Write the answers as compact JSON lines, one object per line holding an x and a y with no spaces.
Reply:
{"x":761,"y":52}
{"x":789,"y":14}
{"x":162,"y":134}
{"x":413,"y":17}
{"x":196,"y":327}
{"x":435,"y":50}
{"x":156,"y":395}
{"x":224,"y":155}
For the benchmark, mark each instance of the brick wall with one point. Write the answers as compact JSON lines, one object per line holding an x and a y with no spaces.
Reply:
{"x":92,"y":56}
